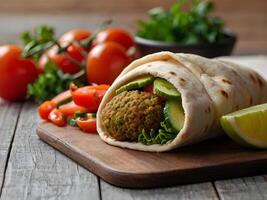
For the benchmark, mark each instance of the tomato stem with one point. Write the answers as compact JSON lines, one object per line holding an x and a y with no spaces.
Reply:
{"x":87,"y":42}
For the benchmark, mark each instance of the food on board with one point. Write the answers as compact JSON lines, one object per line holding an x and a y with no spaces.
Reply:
{"x":76,"y":107}
{"x":190,"y":94}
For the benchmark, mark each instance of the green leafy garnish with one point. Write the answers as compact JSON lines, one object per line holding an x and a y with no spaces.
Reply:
{"x":52,"y":82}
{"x":37,"y":42}
{"x":72,"y":122}
{"x":162,"y":137}
{"x":192,"y":26}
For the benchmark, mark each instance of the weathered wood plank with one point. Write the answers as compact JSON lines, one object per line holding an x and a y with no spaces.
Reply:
{"x":196,"y":191}
{"x":8,"y":119}
{"x":37,"y":171}
{"x":243,"y":188}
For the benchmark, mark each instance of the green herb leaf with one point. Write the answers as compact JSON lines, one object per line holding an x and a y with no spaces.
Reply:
{"x":191,"y":26}
{"x":52,"y":82}
{"x":37,"y":42}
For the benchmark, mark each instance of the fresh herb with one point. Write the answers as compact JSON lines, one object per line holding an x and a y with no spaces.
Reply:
{"x":191,"y":26}
{"x":52,"y":82}
{"x":72,"y":122}
{"x":80,"y":114}
{"x":162,"y":137}
{"x":41,"y":39}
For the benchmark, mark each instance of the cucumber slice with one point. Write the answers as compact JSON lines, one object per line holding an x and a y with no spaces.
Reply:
{"x":136,"y":84}
{"x":174,"y":115}
{"x":165,"y":89}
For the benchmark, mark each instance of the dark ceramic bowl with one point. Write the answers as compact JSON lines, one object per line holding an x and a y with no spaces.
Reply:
{"x":222,"y":48}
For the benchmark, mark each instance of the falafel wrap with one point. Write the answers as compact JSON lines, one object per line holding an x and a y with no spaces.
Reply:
{"x":165,"y":100}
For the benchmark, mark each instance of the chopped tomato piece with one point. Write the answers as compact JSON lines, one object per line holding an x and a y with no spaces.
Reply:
{"x":69,"y":109}
{"x":149,"y":88}
{"x":45,"y":108}
{"x":57,"y":117}
{"x":62,"y":97}
{"x":88,"y":96}
{"x":87,"y":124}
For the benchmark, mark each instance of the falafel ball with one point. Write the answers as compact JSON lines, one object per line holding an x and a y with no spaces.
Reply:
{"x":130,"y":112}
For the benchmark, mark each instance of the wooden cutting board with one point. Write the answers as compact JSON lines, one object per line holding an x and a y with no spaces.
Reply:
{"x":211,"y":160}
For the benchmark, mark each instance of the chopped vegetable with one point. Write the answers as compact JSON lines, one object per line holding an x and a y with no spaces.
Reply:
{"x":192,"y":26}
{"x":57,"y":117}
{"x":87,"y":124}
{"x":88,"y":96}
{"x":45,"y":108}
{"x":69,"y":109}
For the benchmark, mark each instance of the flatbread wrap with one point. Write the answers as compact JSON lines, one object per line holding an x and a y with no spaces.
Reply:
{"x":164,"y":101}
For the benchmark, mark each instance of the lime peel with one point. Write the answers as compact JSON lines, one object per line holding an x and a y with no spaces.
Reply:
{"x":247,"y":127}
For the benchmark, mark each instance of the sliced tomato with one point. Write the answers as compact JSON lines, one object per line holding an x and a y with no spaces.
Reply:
{"x":87,"y":124}
{"x":45,"y":108}
{"x":57,"y":117}
{"x":88,"y":96}
{"x":69,"y":109}
{"x":62,"y":97}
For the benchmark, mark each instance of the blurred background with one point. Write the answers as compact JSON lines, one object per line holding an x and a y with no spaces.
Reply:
{"x":245,"y":17}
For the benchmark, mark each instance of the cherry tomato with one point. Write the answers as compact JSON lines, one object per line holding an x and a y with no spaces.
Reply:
{"x":74,"y":35}
{"x":62,"y":97}
{"x":74,"y":51}
{"x":45,"y":108}
{"x":65,"y":64}
{"x":105,"y":62}
{"x":87,"y":124}
{"x":15,"y":73}
{"x":88,"y":96}
{"x":69,"y":109}
{"x":57,"y":117}
{"x":116,"y":35}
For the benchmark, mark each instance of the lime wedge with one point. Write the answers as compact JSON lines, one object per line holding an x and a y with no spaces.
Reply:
{"x":247,"y":127}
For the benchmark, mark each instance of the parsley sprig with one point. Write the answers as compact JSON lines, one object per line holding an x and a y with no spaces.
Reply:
{"x":181,"y":25}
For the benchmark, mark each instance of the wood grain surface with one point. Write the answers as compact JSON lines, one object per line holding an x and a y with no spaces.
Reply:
{"x":211,"y":160}
{"x":37,"y":171}
{"x":9,"y":114}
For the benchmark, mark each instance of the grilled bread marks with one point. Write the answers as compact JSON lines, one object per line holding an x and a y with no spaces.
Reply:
{"x":226,"y":81}
{"x":211,"y":73}
{"x":247,"y":75}
{"x":225,"y":94}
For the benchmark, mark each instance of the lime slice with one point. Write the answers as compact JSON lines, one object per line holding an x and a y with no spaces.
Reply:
{"x":248,"y":127}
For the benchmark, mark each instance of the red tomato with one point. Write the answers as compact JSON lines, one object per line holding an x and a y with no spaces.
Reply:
{"x":149,"y":88}
{"x":45,"y":108}
{"x":87,"y":124}
{"x":57,"y":117}
{"x":105,"y":62}
{"x":62,"y":97}
{"x":74,"y":51}
{"x":15,"y":73}
{"x":88,"y":96}
{"x":66,"y":65}
{"x":116,"y":35}
{"x":69,"y":109}
{"x":75,"y":34}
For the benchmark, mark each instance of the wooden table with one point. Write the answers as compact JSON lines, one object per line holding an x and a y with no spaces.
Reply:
{"x":30,"y":169}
